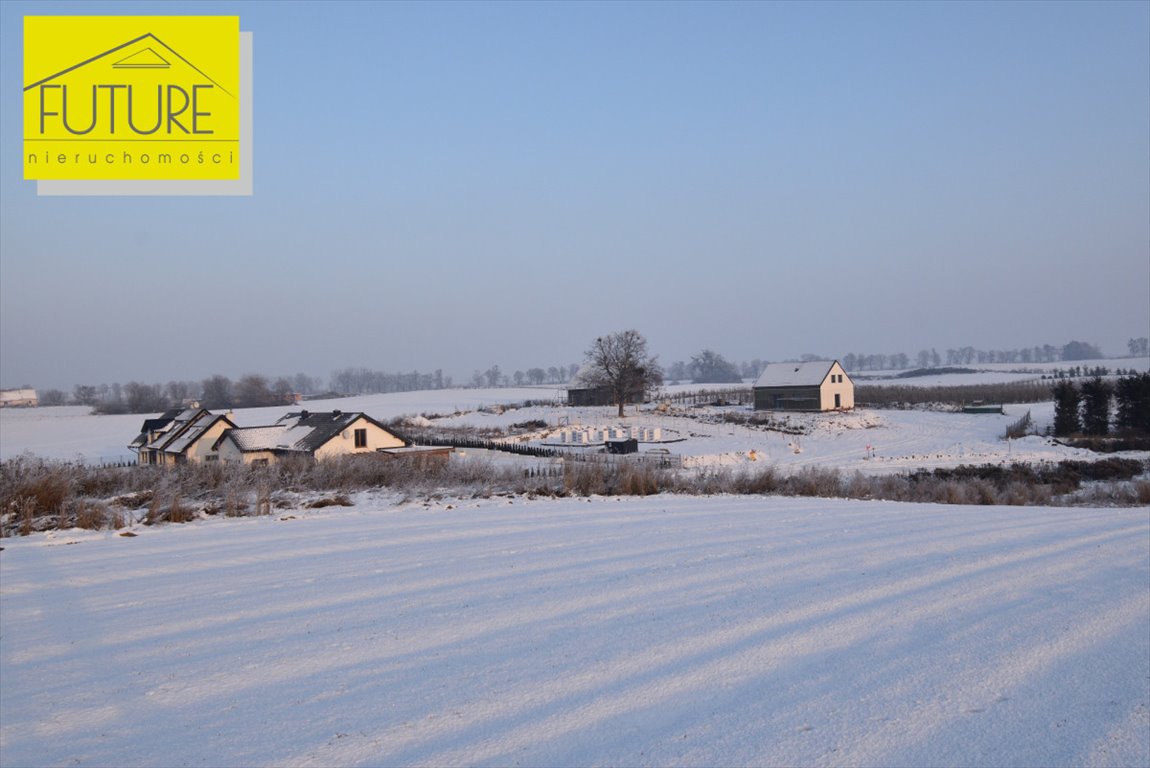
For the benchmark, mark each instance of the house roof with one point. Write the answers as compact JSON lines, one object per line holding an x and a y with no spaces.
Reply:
{"x":795,"y":374}
{"x":301,"y":431}
{"x":271,"y":438}
{"x":194,"y":431}
{"x":167,"y":434}
{"x":163,"y":428}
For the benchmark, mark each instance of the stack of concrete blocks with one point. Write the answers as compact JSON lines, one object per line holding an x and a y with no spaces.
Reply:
{"x":573,"y":437}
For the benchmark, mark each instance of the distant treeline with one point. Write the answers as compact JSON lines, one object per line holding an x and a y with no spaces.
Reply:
{"x":708,"y":366}
{"x":711,"y":367}
{"x":932,"y":358}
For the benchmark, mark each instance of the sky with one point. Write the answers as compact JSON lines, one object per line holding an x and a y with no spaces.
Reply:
{"x":457,"y":185}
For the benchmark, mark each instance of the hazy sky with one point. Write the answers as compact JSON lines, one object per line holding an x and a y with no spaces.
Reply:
{"x":455,"y":185}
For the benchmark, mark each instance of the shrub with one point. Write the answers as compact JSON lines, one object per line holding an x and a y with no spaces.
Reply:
{"x":36,"y":486}
{"x":339,"y":500}
{"x":584,"y":478}
{"x":637,"y":479}
{"x":91,"y":515}
{"x":813,"y":481}
{"x":178,"y":512}
{"x":761,"y":480}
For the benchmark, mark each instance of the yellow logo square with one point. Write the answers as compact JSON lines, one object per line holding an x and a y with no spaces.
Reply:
{"x":131,"y":97}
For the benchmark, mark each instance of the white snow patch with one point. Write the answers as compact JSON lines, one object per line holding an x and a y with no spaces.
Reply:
{"x":604,"y":631}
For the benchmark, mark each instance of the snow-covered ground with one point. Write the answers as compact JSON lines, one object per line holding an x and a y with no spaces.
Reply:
{"x":866,"y":440}
{"x":637,"y":631}
{"x":997,"y":373}
{"x":871,"y":441}
{"x":603,"y":631}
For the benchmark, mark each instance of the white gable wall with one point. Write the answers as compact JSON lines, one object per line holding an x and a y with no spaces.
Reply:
{"x":344,"y":443}
{"x":837,"y":383}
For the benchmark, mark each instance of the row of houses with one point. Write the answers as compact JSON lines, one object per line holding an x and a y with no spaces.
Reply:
{"x":812,"y":386}
{"x":196,"y":435}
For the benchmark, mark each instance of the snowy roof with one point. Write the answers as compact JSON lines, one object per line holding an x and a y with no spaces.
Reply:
{"x":260,"y":438}
{"x":194,"y":432}
{"x":299,"y":431}
{"x":795,"y":374}
{"x":163,"y":433}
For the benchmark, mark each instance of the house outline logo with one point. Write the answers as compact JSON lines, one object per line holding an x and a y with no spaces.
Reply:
{"x":142,"y":108}
{"x":125,"y":63}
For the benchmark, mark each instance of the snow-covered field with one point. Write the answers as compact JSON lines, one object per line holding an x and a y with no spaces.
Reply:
{"x":998,"y":373}
{"x":653,"y":631}
{"x":871,"y":441}
{"x":666,"y":630}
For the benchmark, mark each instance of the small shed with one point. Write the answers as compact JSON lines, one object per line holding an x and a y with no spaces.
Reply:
{"x":980,"y":407}
{"x":813,"y":386}
{"x":623,"y":446}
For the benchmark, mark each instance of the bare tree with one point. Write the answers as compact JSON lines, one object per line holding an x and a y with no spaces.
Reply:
{"x":709,"y":367}
{"x":493,"y":376}
{"x":252,"y":391}
{"x":216,"y":392}
{"x":144,"y":398}
{"x":177,"y":392}
{"x":619,"y":362}
{"x":85,"y":394}
{"x":282,"y":391}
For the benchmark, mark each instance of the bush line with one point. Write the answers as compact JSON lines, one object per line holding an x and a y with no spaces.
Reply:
{"x":38,"y":494}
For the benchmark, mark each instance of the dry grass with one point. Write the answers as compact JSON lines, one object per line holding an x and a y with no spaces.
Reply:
{"x":39,"y":495}
{"x":339,"y":500}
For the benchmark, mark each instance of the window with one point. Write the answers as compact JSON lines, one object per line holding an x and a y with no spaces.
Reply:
{"x":212,"y":457}
{"x":361,"y":438}
{"x":259,"y":462}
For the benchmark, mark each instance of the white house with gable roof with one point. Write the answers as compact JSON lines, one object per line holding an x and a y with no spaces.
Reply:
{"x":816,"y":386}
